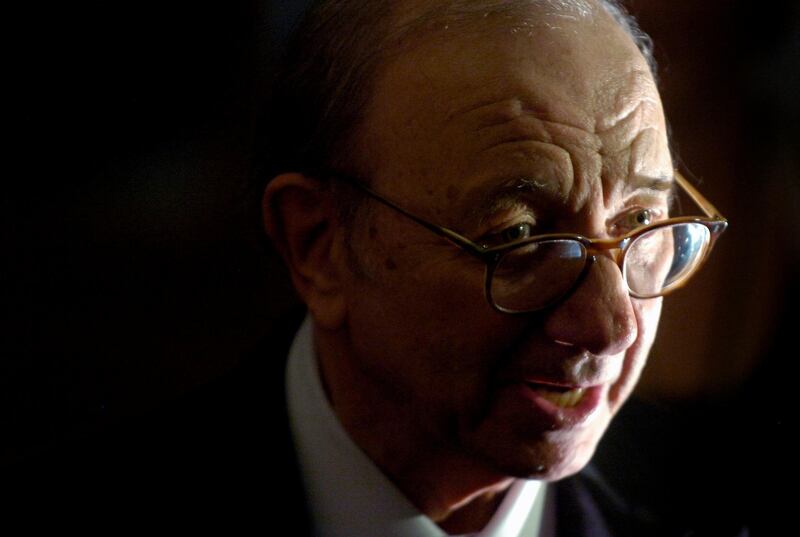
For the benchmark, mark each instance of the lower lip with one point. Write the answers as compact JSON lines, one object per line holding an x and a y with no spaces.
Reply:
{"x":554,"y":416}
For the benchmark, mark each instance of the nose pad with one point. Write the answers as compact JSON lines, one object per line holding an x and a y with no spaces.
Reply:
{"x":598,"y":315}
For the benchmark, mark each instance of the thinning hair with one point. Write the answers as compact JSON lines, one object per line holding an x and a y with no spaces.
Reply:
{"x":321,"y":91}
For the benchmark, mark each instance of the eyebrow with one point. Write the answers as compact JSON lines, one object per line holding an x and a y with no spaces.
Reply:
{"x":660,"y":183}
{"x":481,"y":205}
{"x":655,"y":185}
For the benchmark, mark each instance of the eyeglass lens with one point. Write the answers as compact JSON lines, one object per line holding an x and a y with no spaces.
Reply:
{"x":536,"y":275}
{"x":660,"y":259}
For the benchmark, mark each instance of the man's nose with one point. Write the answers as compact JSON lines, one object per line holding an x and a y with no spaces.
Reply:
{"x":598,"y":316}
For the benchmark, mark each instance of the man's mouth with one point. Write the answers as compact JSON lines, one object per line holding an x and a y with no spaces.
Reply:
{"x":563,"y":397}
{"x":555,"y":405}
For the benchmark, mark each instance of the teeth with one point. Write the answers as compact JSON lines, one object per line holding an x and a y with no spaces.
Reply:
{"x":563,"y":399}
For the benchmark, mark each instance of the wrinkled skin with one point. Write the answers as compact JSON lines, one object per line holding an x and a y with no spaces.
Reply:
{"x":415,"y":361}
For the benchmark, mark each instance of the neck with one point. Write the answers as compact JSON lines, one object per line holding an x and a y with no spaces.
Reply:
{"x":452,"y":488}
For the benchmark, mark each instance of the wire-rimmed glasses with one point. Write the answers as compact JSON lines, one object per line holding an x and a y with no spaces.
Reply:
{"x":534,"y":273}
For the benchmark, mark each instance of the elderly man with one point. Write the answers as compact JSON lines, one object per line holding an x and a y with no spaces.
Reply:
{"x":473,"y":199}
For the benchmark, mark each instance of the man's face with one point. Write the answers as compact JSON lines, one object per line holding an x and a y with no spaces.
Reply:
{"x":568,"y":106}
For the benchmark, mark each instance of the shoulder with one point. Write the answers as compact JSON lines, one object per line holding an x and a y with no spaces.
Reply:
{"x":587,"y":505}
{"x":645,"y":480}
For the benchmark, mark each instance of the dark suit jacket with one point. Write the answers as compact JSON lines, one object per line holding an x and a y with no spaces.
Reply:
{"x":222,"y":456}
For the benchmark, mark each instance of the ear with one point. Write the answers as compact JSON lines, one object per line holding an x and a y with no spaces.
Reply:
{"x":300,"y":217}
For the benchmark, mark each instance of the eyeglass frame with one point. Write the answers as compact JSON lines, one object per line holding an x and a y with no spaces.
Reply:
{"x":491,"y":256}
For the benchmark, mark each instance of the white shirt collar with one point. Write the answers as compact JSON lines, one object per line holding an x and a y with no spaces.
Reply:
{"x":348,"y":494}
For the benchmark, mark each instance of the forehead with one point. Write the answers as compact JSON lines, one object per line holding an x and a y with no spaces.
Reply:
{"x":538,"y":92}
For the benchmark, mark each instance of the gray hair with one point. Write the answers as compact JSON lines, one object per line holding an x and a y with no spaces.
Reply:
{"x":331,"y":62}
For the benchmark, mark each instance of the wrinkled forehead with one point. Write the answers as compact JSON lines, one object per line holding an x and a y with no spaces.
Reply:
{"x":572,"y":47}
{"x":566,"y":61}
{"x":420,"y":18}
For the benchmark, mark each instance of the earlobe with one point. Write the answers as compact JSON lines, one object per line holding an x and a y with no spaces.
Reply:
{"x":300,"y":217}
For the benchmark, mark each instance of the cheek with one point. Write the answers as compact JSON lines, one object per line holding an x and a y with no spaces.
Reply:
{"x":427,"y":328}
{"x":648,"y":313}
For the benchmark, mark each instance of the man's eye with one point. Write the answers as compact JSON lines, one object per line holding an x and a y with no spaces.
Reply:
{"x":637,"y":219}
{"x":516,"y":232}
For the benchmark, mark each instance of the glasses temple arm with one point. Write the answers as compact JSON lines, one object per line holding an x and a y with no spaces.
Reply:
{"x":452,"y":236}
{"x":697,"y":197}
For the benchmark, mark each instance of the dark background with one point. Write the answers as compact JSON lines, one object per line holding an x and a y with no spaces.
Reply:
{"x":134,"y":267}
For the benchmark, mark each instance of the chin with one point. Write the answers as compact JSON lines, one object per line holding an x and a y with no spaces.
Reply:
{"x":549,"y":456}
{"x":553,"y":461}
